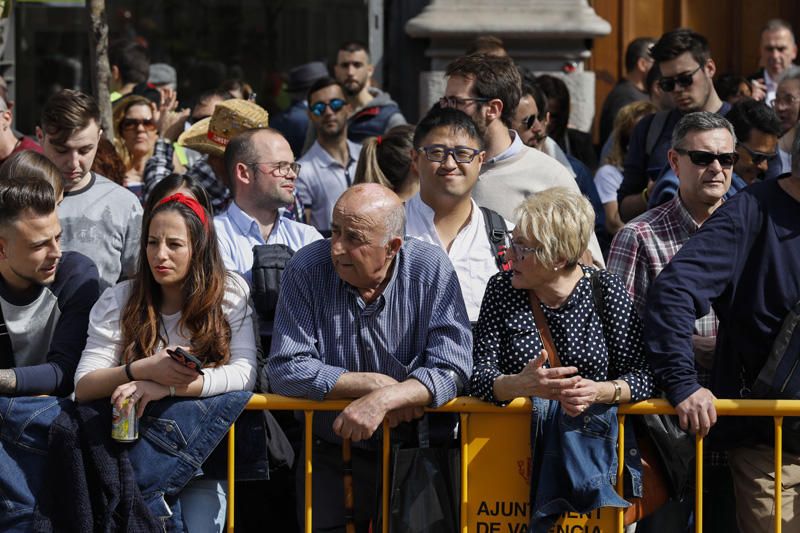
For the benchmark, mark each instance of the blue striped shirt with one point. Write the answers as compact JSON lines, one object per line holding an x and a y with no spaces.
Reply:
{"x":417,"y":328}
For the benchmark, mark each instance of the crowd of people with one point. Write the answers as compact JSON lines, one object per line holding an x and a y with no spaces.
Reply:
{"x":336,"y":252}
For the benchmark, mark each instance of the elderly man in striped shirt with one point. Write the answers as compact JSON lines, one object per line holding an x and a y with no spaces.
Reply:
{"x":369,"y":316}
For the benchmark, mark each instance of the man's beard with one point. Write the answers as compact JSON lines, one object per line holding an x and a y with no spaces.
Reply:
{"x":359,"y":86}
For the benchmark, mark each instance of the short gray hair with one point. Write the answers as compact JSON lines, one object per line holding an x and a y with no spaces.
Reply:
{"x":699,"y":121}
{"x":791,"y":73}
{"x":776,"y":25}
{"x":395,"y":223}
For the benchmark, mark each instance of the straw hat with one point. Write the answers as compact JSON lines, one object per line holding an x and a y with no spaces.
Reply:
{"x":231,"y":117}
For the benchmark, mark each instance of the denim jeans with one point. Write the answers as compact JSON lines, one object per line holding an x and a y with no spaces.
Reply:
{"x":574,"y":462}
{"x":24,"y":426}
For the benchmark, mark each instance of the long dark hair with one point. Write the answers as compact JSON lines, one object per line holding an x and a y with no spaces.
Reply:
{"x":202,"y":318}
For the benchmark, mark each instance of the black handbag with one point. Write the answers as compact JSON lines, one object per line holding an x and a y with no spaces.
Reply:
{"x":425,"y":487}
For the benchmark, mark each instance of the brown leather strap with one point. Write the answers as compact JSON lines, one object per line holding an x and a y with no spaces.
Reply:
{"x":544,"y":330}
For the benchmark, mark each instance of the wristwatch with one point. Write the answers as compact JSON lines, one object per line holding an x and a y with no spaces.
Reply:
{"x":617,"y":391}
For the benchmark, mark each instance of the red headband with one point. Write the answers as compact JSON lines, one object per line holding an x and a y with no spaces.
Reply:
{"x":189,"y":202}
{"x":378,"y":140}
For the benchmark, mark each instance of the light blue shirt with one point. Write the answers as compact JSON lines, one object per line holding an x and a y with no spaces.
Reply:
{"x":238,"y":232}
{"x":322,"y":180}
{"x":514,"y":148}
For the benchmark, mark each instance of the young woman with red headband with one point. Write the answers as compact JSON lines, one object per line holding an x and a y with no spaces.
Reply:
{"x":181,"y":296}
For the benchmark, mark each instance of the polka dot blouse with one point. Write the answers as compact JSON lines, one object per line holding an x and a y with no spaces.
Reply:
{"x":506,"y":336}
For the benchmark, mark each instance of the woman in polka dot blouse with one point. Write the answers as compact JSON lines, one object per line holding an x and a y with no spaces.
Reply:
{"x":602,"y":357}
{"x":574,"y":424}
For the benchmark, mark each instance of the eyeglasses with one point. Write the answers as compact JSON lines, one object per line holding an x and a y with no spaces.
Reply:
{"x":280,"y":168}
{"x":684,"y":80}
{"x":758,"y":157}
{"x":703,"y":159}
{"x":130,"y":124}
{"x":318,"y":108}
{"x":785,"y":99}
{"x":520,"y":251}
{"x":439,"y":154}
{"x":456,"y":102}
{"x":529,"y":121}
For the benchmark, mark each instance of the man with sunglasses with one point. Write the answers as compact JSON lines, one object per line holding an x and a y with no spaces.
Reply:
{"x":488,"y":89}
{"x":742,"y":263}
{"x":757,"y":129}
{"x":328,"y":168}
{"x":702,"y":157}
{"x":684,"y":59}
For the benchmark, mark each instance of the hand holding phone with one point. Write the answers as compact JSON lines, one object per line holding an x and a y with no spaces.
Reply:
{"x":186,"y":359}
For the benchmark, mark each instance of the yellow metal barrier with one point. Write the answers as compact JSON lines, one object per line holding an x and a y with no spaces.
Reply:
{"x":465,"y":406}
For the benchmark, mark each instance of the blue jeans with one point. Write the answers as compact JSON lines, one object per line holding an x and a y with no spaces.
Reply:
{"x":24,"y":426}
{"x":574,"y":462}
{"x":203,"y":505}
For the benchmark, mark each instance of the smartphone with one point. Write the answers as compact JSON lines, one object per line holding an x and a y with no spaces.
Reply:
{"x":186,"y":359}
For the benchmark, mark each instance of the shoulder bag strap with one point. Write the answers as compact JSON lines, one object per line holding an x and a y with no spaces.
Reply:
{"x":544,"y":330}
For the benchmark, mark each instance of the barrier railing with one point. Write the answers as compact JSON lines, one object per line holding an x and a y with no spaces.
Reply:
{"x":465,"y":406}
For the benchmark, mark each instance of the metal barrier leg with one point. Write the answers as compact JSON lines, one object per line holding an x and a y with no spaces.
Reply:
{"x":620,"y":471}
{"x":309,"y":418}
{"x":231,"y":475}
{"x":387,"y":443}
{"x":698,"y":481}
{"x":463,"y":508}
{"x":778,"y":471}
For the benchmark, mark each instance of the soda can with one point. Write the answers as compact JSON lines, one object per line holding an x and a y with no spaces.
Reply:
{"x":124,"y":428}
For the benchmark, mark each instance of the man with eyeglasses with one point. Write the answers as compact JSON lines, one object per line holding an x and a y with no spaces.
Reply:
{"x":702,"y":156}
{"x":330,"y":164}
{"x":778,"y":51}
{"x":372,"y":112}
{"x":448,"y":154}
{"x":684,"y":59}
{"x":757,"y":129}
{"x":488,"y":89}
{"x":742,"y":263}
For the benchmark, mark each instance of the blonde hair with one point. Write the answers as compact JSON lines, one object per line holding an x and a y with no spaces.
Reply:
{"x":386,"y":159}
{"x":120,"y":110}
{"x":561,"y":220}
{"x":624,"y":123}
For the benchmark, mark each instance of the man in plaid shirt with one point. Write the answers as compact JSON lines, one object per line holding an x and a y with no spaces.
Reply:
{"x":702,"y":156}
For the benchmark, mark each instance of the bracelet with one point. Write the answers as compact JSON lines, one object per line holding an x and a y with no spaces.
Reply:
{"x":645,"y":195}
{"x":172,"y":390}
{"x":128,"y":372}
{"x":617,"y":391}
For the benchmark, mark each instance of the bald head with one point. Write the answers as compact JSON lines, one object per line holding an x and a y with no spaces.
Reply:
{"x":376,"y":206}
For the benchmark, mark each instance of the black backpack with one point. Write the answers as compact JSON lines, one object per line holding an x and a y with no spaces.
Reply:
{"x":269,"y":262}
{"x":497,"y":232}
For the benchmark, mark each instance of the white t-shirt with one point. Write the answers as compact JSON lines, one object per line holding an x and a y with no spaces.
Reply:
{"x":607,"y":179}
{"x":104,"y":344}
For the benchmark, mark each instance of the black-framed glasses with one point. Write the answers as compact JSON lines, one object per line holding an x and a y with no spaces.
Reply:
{"x":130,"y":124}
{"x":521,"y":251}
{"x":758,"y":157}
{"x":439,"y":153}
{"x":529,"y":121}
{"x":336,"y":104}
{"x":456,"y":102}
{"x":280,"y":168}
{"x":684,"y":80}
{"x":701,"y":158}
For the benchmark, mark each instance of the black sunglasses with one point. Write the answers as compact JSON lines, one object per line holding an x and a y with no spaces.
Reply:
{"x":702,"y":158}
{"x":758,"y":157}
{"x":531,"y":120}
{"x":318,"y":108}
{"x":684,"y":80}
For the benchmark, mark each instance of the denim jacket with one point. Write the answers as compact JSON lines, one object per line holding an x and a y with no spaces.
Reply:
{"x":24,"y":425}
{"x":575,"y":462}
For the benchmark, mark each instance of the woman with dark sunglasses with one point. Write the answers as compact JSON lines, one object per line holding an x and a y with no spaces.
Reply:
{"x":135,"y":131}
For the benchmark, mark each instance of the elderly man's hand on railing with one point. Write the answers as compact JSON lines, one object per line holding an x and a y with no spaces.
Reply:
{"x":697,"y":413}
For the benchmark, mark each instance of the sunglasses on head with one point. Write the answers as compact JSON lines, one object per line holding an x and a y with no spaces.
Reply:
{"x":318,"y":108}
{"x":758,"y":157}
{"x":702,"y":158}
{"x":134,"y":123}
{"x":684,"y":80}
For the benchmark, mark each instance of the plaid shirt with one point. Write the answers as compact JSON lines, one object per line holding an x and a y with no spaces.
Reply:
{"x":159,"y":166}
{"x":639,"y":253}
